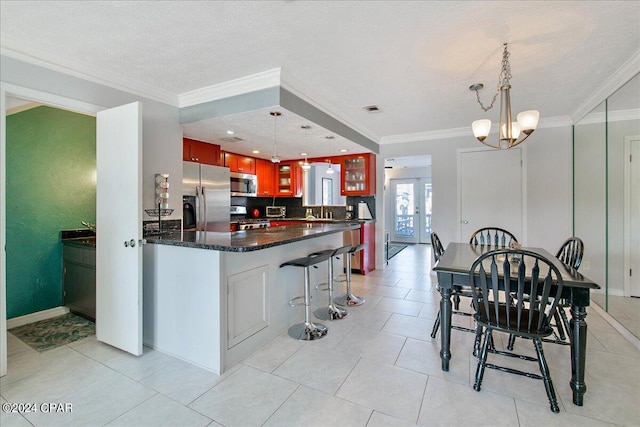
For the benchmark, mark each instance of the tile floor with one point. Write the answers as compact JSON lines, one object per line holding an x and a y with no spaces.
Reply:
{"x":378,"y":367}
{"x":625,"y":310}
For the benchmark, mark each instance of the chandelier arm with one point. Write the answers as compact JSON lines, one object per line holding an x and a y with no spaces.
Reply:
{"x":519,"y":141}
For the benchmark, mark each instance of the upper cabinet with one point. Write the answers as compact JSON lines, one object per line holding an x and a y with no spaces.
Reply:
{"x":240,"y":163}
{"x":266,"y":174}
{"x":200,"y":152}
{"x":358,"y":176}
{"x":288,"y":179}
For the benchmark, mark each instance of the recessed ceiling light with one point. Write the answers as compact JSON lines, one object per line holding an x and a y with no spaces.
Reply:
{"x":230,"y":132}
{"x":330,"y":137}
{"x":343,"y":150}
{"x":303,"y":154}
{"x":256,"y":152}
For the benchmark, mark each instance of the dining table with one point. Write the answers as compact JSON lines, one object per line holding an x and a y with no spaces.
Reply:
{"x":453,"y":269}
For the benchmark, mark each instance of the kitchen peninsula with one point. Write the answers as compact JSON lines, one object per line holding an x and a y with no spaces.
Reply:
{"x":213,"y":298}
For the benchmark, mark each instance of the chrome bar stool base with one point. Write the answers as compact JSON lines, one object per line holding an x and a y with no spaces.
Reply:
{"x":349,"y":300}
{"x":308,"y":331}
{"x":330,"y":313}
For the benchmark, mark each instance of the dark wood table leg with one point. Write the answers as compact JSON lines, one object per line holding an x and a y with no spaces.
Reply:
{"x":445,"y":283}
{"x":578,"y":352}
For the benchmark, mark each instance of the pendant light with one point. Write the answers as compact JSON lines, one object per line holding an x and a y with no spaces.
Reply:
{"x":330,"y":168}
{"x":508,"y":130}
{"x":275,"y":115}
{"x":305,"y":165}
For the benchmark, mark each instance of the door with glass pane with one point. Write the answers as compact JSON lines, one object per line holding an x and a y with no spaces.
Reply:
{"x":425,"y":219}
{"x":406,"y":199}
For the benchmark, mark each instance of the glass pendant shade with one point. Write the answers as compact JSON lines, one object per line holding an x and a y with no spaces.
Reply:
{"x":528,"y":120}
{"x":481,"y":128}
{"x":305,"y":165}
{"x":515,"y":132}
{"x":330,"y":169}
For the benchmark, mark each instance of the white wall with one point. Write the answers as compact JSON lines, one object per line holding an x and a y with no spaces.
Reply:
{"x":549,"y":195}
{"x":162,"y":134}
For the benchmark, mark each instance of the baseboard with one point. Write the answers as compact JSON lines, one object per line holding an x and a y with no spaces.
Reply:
{"x":34,"y":317}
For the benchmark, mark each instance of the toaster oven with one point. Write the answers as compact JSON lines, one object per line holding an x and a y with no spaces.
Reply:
{"x":275,"y":211}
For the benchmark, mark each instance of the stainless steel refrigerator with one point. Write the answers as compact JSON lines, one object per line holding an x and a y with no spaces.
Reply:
{"x":211,"y":187}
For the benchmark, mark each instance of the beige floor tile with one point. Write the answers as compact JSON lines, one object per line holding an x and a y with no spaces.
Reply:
{"x":424,"y":357}
{"x":400,"y":306}
{"x":379,"y":419}
{"x":272,"y":355}
{"x":308,"y":408}
{"x":374,"y":345}
{"x":409,"y":326}
{"x":388,"y":389}
{"x":248,"y":397}
{"x":320,"y":369}
{"x":161,"y":411}
{"x":451,"y":404}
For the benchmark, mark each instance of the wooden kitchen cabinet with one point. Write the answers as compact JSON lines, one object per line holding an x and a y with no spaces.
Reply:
{"x":358,"y":175}
{"x":201,"y":152}
{"x":288,"y":179}
{"x":239,"y":163}
{"x":265,"y":170}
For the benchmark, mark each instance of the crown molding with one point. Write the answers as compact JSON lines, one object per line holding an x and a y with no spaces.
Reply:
{"x":242,"y":85}
{"x":550,"y":122}
{"x":12,"y":48}
{"x":612,"y":116}
{"x":621,"y":76}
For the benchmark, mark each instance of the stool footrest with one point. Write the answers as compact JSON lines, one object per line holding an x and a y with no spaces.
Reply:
{"x":322,"y":287}
{"x":293,"y":302}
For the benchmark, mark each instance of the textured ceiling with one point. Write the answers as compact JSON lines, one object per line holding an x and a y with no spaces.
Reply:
{"x":414,"y":59}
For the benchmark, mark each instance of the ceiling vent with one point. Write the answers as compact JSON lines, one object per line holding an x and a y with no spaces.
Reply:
{"x":231,"y":139}
{"x":372,"y":108}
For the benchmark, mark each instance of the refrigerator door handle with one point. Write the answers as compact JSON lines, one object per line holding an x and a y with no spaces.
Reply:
{"x":200,"y":220}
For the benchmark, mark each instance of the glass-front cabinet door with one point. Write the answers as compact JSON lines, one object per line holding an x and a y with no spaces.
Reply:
{"x":358,"y":175}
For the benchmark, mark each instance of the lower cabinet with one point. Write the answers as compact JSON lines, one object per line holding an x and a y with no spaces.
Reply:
{"x":247,"y":304}
{"x":79,"y":279}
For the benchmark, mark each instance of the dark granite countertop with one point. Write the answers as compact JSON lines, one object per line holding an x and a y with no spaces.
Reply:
{"x":327,"y":220}
{"x":82,"y":237}
{"x":252,"y":240}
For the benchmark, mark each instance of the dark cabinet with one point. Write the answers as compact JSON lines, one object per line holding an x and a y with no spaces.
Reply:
{"x":79,"y":279}
{"x":201,"y":152}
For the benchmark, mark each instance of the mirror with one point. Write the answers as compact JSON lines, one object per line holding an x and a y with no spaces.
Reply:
{"x":604,"y":199}
{"x":322,"y":188}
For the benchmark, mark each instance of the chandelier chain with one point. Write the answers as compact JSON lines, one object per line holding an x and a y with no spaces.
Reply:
{"x":503,"y":80}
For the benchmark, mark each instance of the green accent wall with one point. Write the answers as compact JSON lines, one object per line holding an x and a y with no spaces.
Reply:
{"x":51,"y":186}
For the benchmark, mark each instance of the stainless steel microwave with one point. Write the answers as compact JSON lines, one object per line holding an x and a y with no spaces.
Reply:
{"x":243,"y":184}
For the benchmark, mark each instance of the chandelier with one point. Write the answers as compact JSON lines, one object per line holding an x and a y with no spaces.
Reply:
{"x":508,"y":130}
{"x":275,"y":158}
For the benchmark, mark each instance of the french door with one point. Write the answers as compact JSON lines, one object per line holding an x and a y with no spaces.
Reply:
{"x":411,"y":210}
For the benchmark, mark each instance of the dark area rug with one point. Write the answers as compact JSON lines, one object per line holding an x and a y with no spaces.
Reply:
{"x":55,"y":332}
{"x":394,"y":250}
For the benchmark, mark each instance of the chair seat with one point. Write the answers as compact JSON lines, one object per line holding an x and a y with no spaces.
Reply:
{"x":500,"y":324}
{"x":309,"y":260}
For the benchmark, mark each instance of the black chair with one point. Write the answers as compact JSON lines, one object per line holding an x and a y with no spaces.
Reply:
{"x":493,"y":236}
{"x":497,"y":310}
{"x":570,"y":253}
{"x":457,"y":291}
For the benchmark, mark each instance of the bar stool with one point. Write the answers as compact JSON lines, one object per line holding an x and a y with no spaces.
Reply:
{"x":349,"y":299}
{"x":330,"y":312}
{"x":306,"y":330}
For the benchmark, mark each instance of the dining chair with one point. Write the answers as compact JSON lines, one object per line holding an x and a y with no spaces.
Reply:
{"x":496,"y":310}
{"x":457,"y":291}
{"x":570,"y":254}
{"x":492,"y":236}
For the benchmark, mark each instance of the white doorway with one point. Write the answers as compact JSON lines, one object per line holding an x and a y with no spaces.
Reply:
{"x":8,"y":90}
{"x":490,"y":191}
{"x":632,"y":216}
{"x":411,"y":210}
